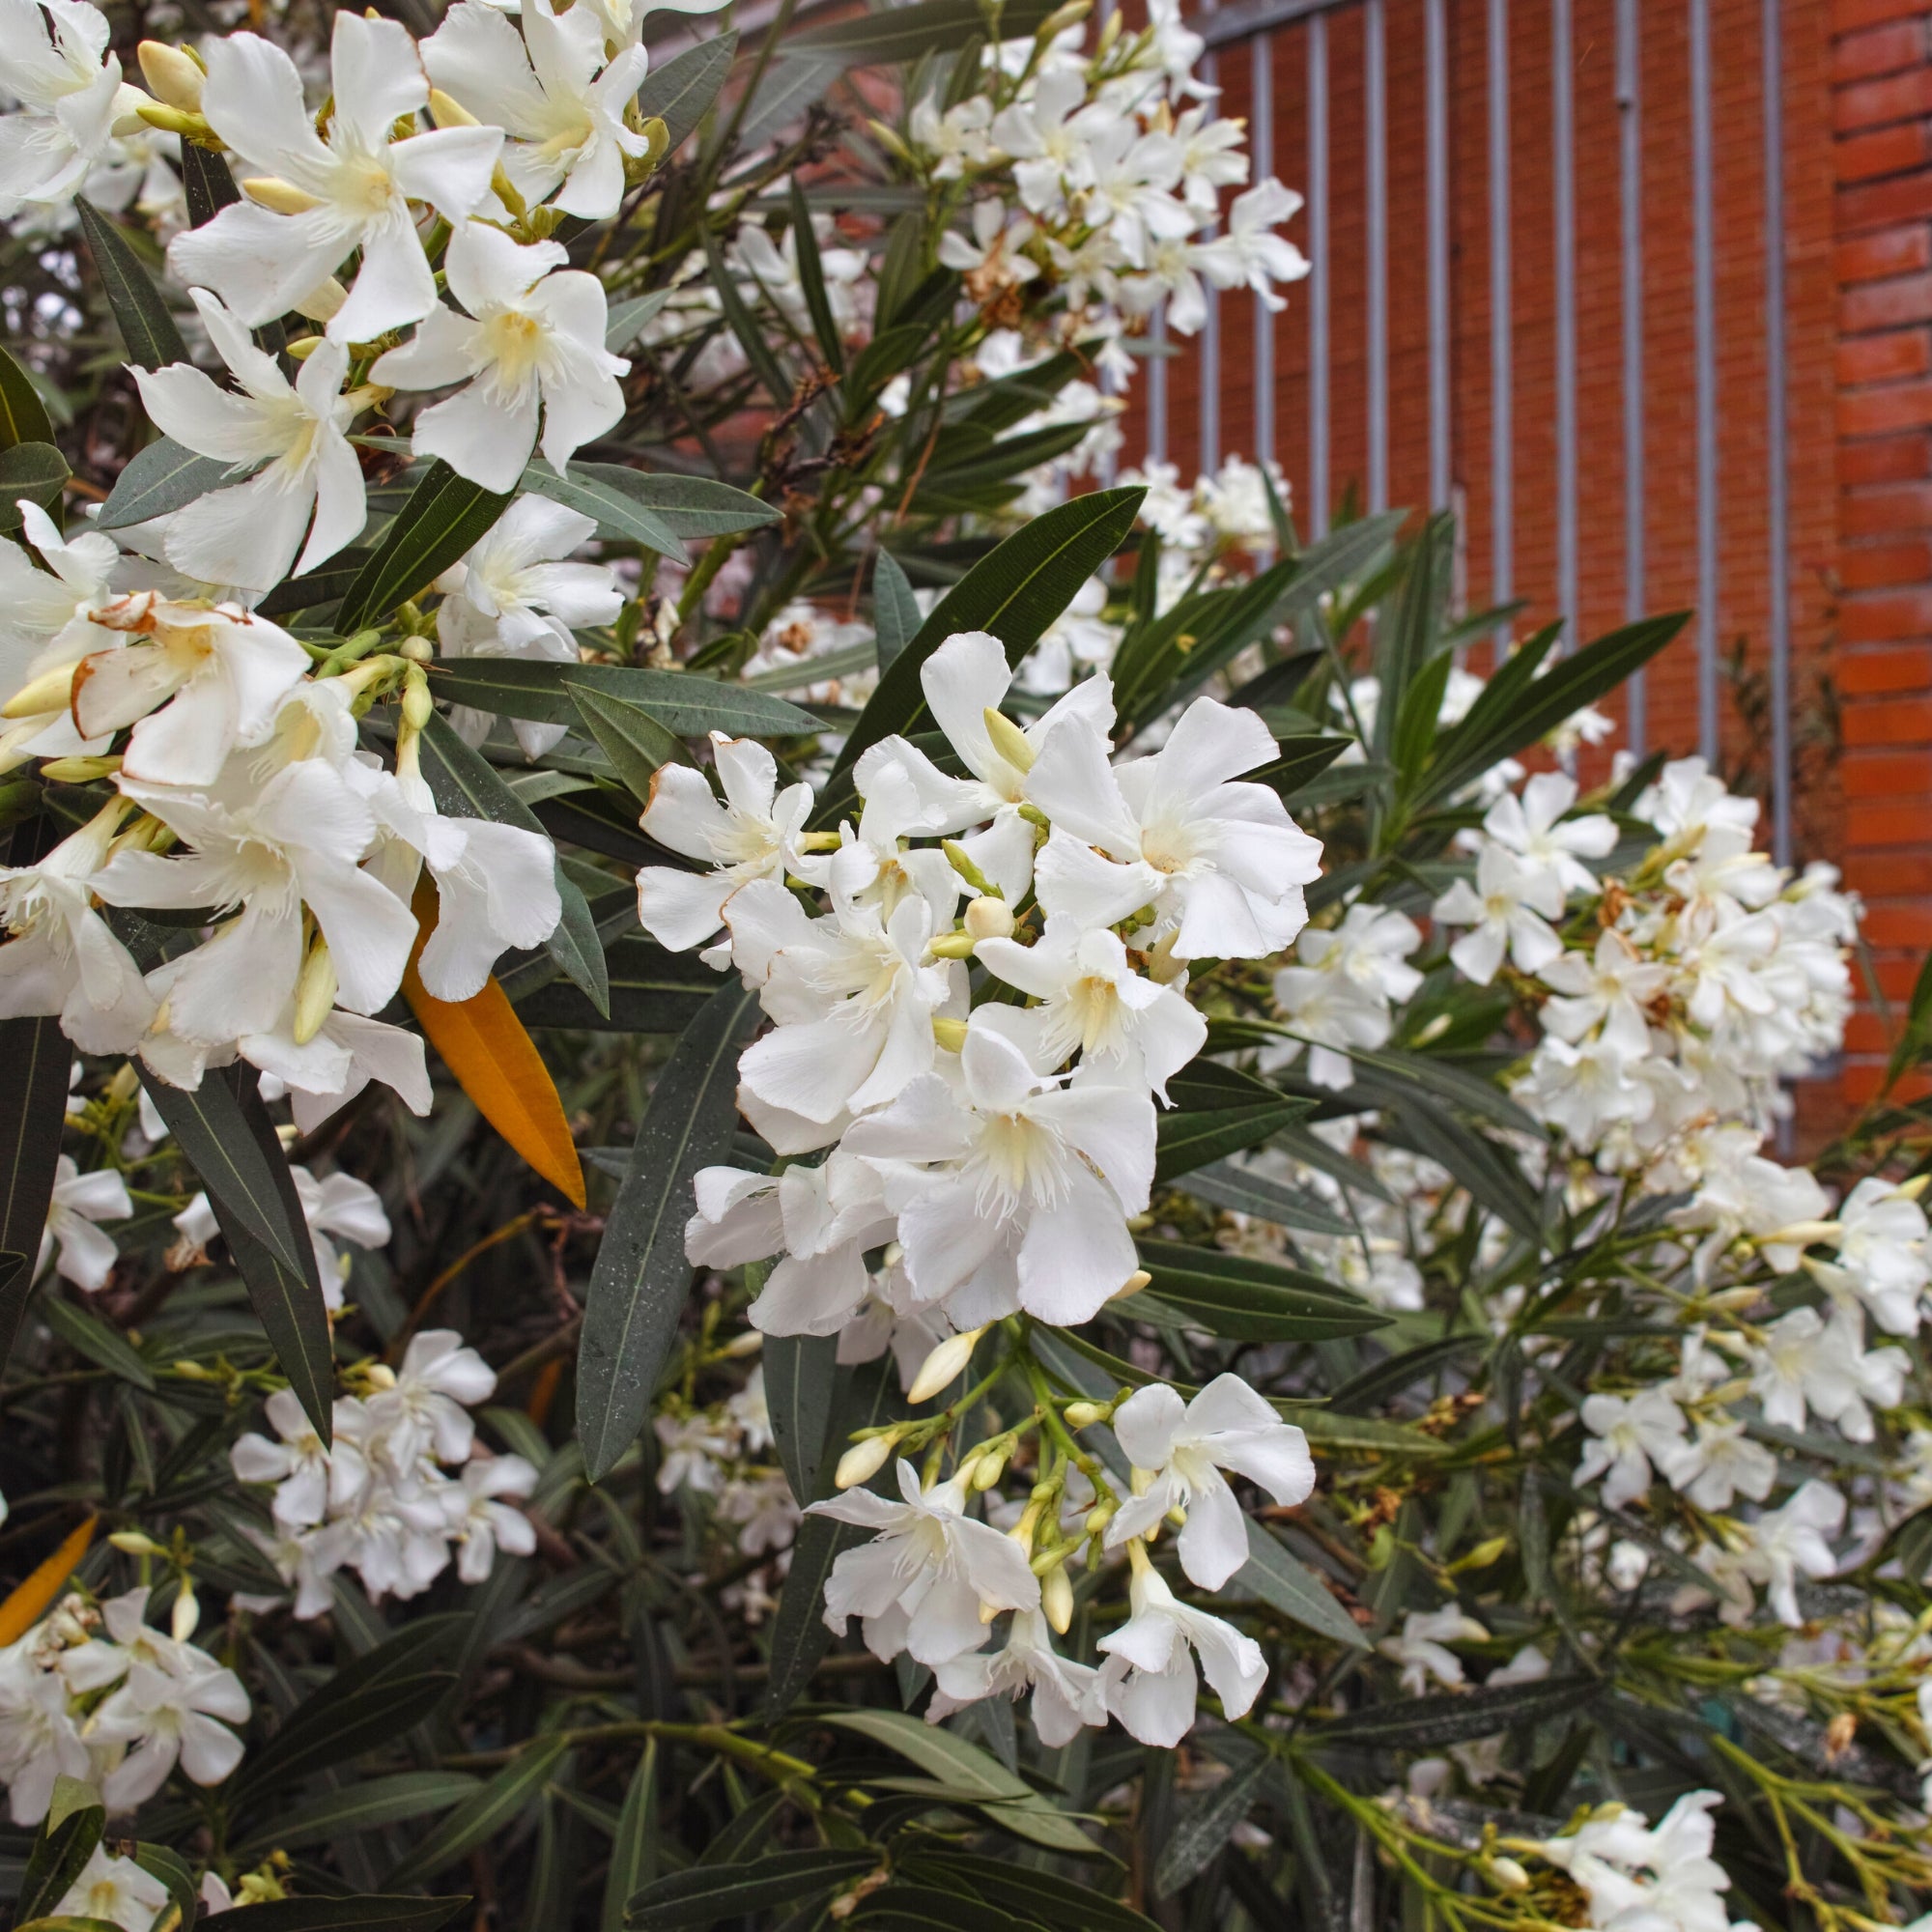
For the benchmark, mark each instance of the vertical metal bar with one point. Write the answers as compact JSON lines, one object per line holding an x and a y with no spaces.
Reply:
{"x":1261,"y":145}
{"x":1502,"y":495}
{"x":1704,"y":304}
{"x":1157,"y":403}
{"x":1563,"y":186}
{"x":1318,"y":278}
{"x":1629,"y":162}
{"x":1776,"y":433}
{"x":1374,"y":91}
{"x":1209,"y":407}
{"x":1435,"y":61}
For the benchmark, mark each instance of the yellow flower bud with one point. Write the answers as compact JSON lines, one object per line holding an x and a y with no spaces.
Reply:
{"x":990,"y":918}
{"x":447,"y":112}
{"x":863,"y":1461}
{"x":1133,"y":1285}
{"x":1056,"y":1599}
{"x":952,"y":945}
{"x":1085,"y":1414}
{"x":315,"y":992}
{"x":946,"y":1364}
{"x":173,"y":76}
{"x":1507,"y":1874}
{"x":988,"y":1469}
{"x":1008,"y":740}
{"x":50,"y":692}
{"x":272,"y":192}
{"x":949,"y":1035}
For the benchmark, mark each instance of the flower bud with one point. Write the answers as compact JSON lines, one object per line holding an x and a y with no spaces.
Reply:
{"x":863,"y":1461}
{"x":1061,"y":18}
{"x":950,"y":1036}
{"x":322,"y":300}
{"x":418,"y":706}
{"x":1133,"y":1285}
{"x":1912,"y":1189}
{"x":990,"y":918}
{"x":1507,"y":1874}
{"x":415,"y":650}
{"x":272,"y":192}
{"x":1085,"y":1414}
{"x":315,"y":992}
{"x":747,"y":1343}
{"x":446,"y":112}
{"x":1163,"y":967}
{"x":945,"y":1365}
{"x":1056,"y":1599}
{"x":79,"y":770}
{"x":988,"y":1469}
{"x":174,"y":77}
{"x":1099,"y":1516}
{"x":1008,"y":740}
{"x":1483,"y":1555}
{"x":136,"y":1543}
{"x":186,"y":1615}
{"x":51,"y":691}
{"x":952,"y":945}
{"x":168,"y":120}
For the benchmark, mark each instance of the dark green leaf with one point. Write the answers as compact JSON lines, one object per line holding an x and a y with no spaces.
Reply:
{"x":640,"y":1278}
{"x":651,"y":991}
{"x":90,"y":1336}
{"x":365,"y":1806}
{"x":1000,"y":461}
{"x":1046,"y":1896}
{"x":1374,"y":1386}
{"x":444,"y":516}
{"x":687,"y":703}
{"x":36,"y":471}
{"x":33,"y":1062}
{"x":225,"y":1132}
{"x":707,"y":1894}
{"x":162,"y":477}
{"x":895,"y":618}
{"x":800,"y":1372}
{"x":1016,"y":591}
{"x":23,"y":416}
{"x":617,"y":513}
{"x":633,"y":740}
{"x":1280,"y":1578}
{"x":634,"y":1844}
{"x":172,"y":1870}
{"x":1252,"y":1300}
{"x":485,"y":1814}
{"x":626,"y":317}
{"x":811,"y":281}
{"x":369,"y":1912}
{"x":1302,"y":760}
{"x":1242,"y":1193}
{"x":145,"y":326}
{"x":744,"y":325}
{"x":686,"y":506}
{"x":680,"y":93}
{"x":1185,"y":1141}
{"x":1203,"y":1827}
{"x":1429,"y":1723}
{"x":905,"y":32}
{"x":467,"y":785}
{"x":65,"y":1842}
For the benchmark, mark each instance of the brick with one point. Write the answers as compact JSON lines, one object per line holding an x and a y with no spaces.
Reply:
{"x":1896,"y":872}
{"x":1884,"y":49}
{"x":1877,"y":410}
{"x":1892,"y":459}
{"x":1883,"y":358}
{"x":1899,"y":779}
{"x":1880,"y":566}
{"x":1885,"y":669}
{"x":1877,"y":104}
{"x":1866,"y":1033}
{"x":1891,"y":150}
{"x":1849,"y":16}
{"x":1886,"y":305}
{"x":1873,"y":826}
{"x":1884,"y":512}
{"x":1880,"y":204}
{"x":1896,"y":251}
{"x":1896,"y":721}
{"x":1884,"y":616}
{"x":1899,"y":926}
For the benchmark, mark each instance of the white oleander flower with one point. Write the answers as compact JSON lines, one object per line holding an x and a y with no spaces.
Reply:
{"x":482,"y":1521}
{"x":86,"y":1254}
{"x":1508,"y":912}
{"x":1629,"y":1434}
{"x":1150,"y":1679}
{"x":1422,"y":1649}
{"x":115,"y":1890}
{"x":63,"y":83}
{"x":1065,"y":1695}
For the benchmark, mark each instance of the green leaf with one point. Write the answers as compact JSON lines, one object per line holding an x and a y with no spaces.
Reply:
{"x":168,"y":1865}
{"x":1242,"y":1193}
{"x":680,"y":93}
{"x":145,"y":326}
{"x":905,"y":32}
{"x":444,"y":516}
{"x":368,"y":1913}
{"x":23,"y":416}
{"x":1280,"y":1578}
{"x":651,"y":991}
{"x":36,"y":471}
{"x":811,"y":281}
{"x":999,"y":461}
{"x":90,"y":1336}
{"x":1489,"y":1171}
{"x":633,"y":740}
{"x":65,"y":1842}
{"x":485,"y":1814}
{"x":33,"y":1062}
{"x":616,"y":512}
{"x":744,"y":325}
{"x":707,"y":1894}
{"x":864,"y":1398}
{"x":467,"y":785}
{"x":1429,"y":1724}
{"x":1045,"y":1897}
{"x":1387,"y":1378}
{"x":368,"y":1702}
{"x":895,"y":617}
{"x":225,"y":1132}
{"x":1253,"y":1300}
{"x":1185,"y":1141}
{"x":688,"y":506}
{"x":1205,"y":1826}
{"x":640,"y":1278}
{"x":1302,"y":760}
{"x":626,"y":318}
{"x":1015,"y":591}
{"x":159,"y":478}
{"x":634,"y":1844}
{"x":365,"y":1806}
{"x":799,"y":1373}
{"x":876,"y":365}
{"x":687,"y":703}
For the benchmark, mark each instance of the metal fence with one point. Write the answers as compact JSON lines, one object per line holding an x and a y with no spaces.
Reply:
{"x":1308,"y":448}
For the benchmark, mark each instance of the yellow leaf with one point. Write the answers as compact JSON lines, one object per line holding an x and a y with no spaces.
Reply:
{"x":28,"y":1604}
{"x":483,"y":1043}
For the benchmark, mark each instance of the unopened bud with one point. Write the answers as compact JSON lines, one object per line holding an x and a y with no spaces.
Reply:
{"x":657,"y":141}
{"x":271,"y":191}
{"x":157,"y":114}
{"x":888,"y":137}
{"x":1022,"y":1532}
{"x":1056,"y":1599}
{"x":1061,"y":19}
{"x":302,"y":346}
{"x":990,"y":918}
{"x":173,"y":77}
{"x":952,"y":945}
{"x":950,"y":1036}
{"x":322,"y":300}
{"x":416,"y":649}
{"x":1133,"y":1285}
{"x":418,"y":706}
{"x":945,"y":1365}
{"x":1163,"y":967}
{"x":1483,"y":1555}
{"x":1085,"y":1414}
{"x":1099,"y":1516}
{"x":988,"y":1469}
{"x":747,"y":1343}
{"x":962,"y":862}
{"x":1507,"y":1874}
{"x":863,"y":1461}
{"x":446,"y":112}
{"x":187,"y":1615}
{"x":78,"y":771}
{"x":50,"y":692}
{"x":136,"y":1543}
{"x":1008,"y":740}
{"x":315,"y":992}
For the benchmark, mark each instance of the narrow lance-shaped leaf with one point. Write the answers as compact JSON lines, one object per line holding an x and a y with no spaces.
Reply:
{"x":484,"y":1816}
{"x":67,"y":1835}
{"x":680,"y":93}
{"x":34,"y":1062}
{"x":638,"y":1284}
{"x":162,"y":477}
{"x":444,"y":516}
{"x":633,"y":740}
{"x":682,"y":701}
{"x":895,"y":618}
{"x":23,"y":416}
{"x":36,"y":471}
{"x":801,"y":1372}
{"x":707,"y":1894}
{"x":147,"y":327}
